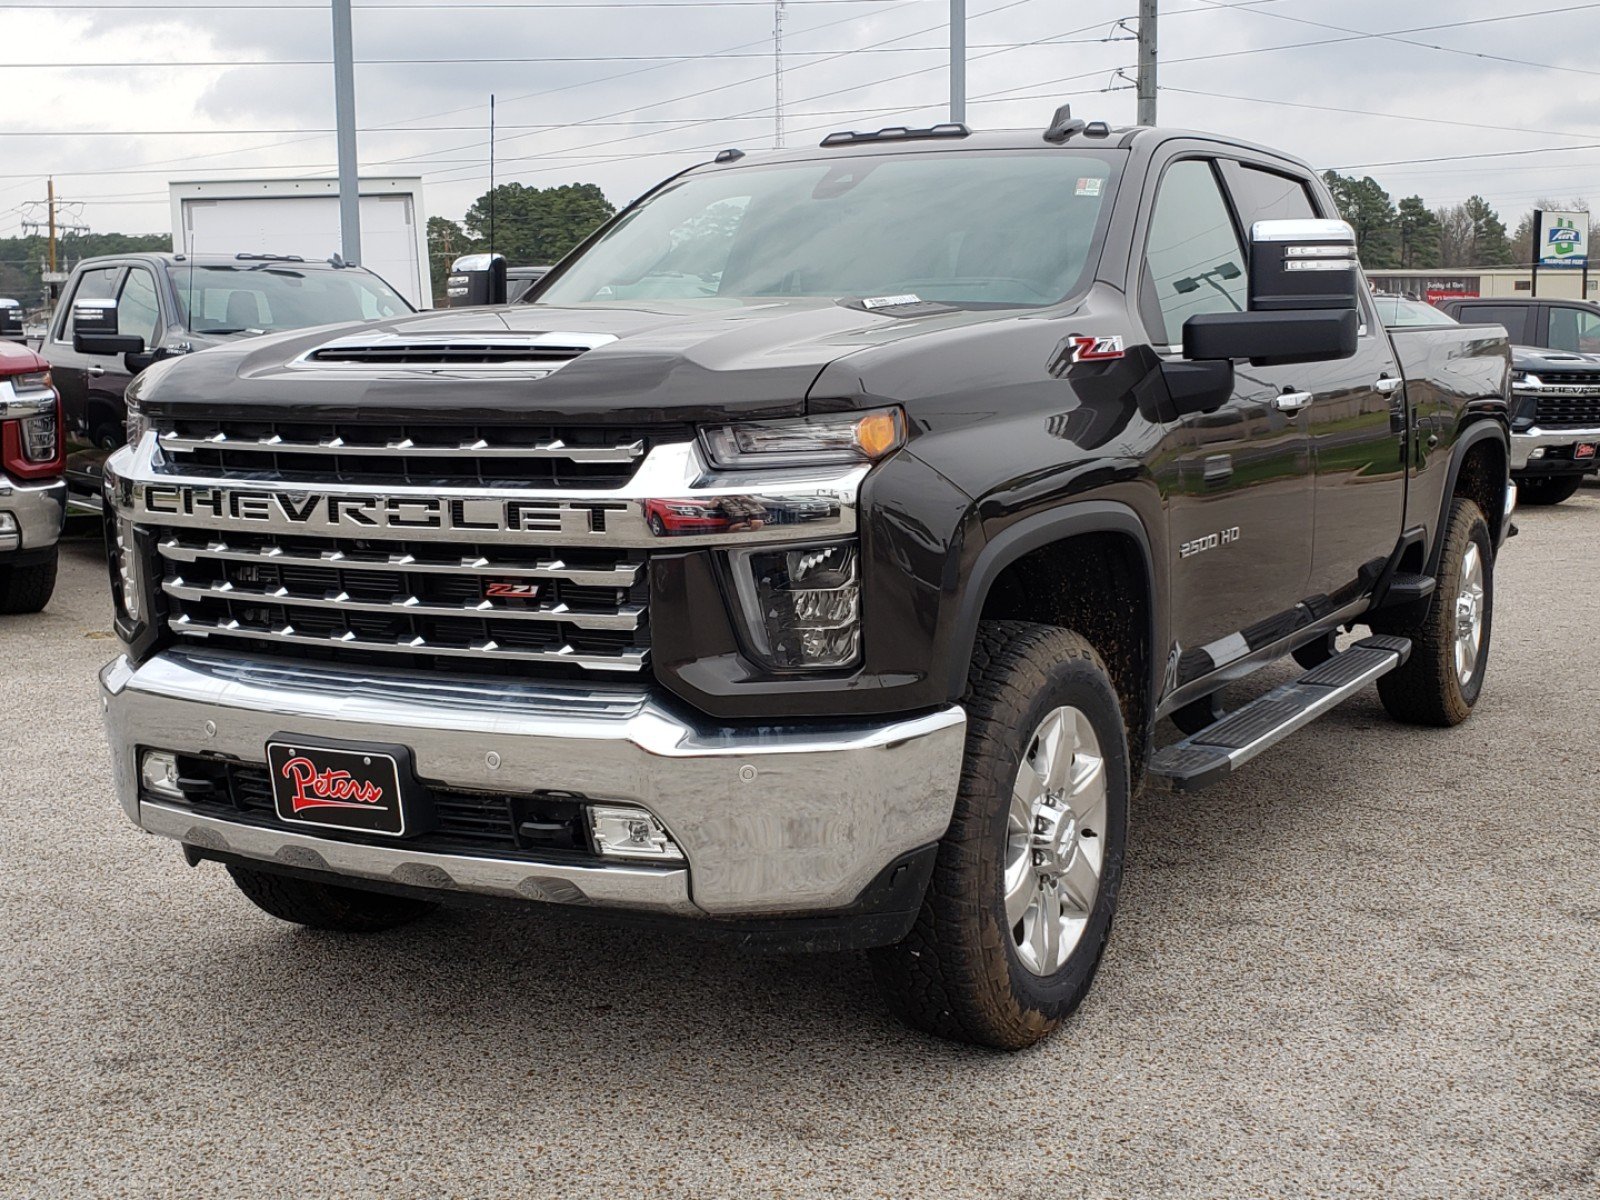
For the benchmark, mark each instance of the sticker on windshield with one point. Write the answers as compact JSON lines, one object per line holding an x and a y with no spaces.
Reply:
{"x":891,"y":301}
{"x":1090,"y":185}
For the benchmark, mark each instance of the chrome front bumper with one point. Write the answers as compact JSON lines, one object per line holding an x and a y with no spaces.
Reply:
{"x":1524,"y":444}
{"x":788,"y":820}
{"x":36,"y":511}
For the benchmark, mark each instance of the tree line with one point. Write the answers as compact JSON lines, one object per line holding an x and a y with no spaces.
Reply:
{"x":531,"y":226}
{"x":23,"y":259}
{"x":1410,"y":235}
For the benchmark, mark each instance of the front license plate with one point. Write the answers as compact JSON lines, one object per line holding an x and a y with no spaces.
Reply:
{"x":357,"y":790}
{"x":1583,"y":450}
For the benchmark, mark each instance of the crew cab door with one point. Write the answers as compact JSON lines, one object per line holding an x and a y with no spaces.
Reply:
{"x":1355,"y":409}
{"x":1238,"y":482}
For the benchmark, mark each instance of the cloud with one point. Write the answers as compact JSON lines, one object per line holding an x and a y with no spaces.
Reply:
{"x":647,"y":120}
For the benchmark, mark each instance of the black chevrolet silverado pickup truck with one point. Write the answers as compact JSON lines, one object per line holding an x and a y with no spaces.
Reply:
{"x":1555,"y":385}
{"x":814,"y":559}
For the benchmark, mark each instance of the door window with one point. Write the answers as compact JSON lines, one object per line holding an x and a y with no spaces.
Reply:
{"x":1513,"y":317}
{"x":98,"y":284}
{"x":1575,"y":329}
{"x":1263,"y":195}
{"x":1193,"y":260}
{"x":138,"y":311}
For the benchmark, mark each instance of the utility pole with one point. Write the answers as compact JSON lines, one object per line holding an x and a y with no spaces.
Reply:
{"x":491,"y":172}
{"x":1147,"y":62}
{"x":344,"y":112}
{"x":958,"y":61}
{"x":50,"y":203}
{"x":778,"y":13}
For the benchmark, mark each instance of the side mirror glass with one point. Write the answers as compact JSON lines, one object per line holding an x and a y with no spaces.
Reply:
{"x":1303,"y":265}
{"x":476,"y":280}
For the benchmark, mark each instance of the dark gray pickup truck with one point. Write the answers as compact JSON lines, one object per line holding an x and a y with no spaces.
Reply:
{"x":813,"y":560}
{"x":1555,"y":381}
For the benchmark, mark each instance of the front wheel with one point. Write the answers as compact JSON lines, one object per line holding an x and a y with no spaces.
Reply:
{"x":1442,"y":680}
{"x":326,"y":905}
{"x":28,"y":589}
{"x":1025,"y":884}
{"x":1551,"y":489}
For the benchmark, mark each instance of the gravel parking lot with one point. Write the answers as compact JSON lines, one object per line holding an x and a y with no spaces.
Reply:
{"x":1370,"y":965}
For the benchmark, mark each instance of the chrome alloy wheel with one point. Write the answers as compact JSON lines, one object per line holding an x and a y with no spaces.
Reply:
{"x":1055,"y":840}
{"x":1469,"y":615}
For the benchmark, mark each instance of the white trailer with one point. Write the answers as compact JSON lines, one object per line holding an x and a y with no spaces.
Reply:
{"x":301,"y":216}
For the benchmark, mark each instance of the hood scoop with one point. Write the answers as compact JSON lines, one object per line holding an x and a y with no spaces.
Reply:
{"x":433,"y":352}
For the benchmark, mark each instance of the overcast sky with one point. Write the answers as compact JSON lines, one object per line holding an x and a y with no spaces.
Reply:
{"x":625,"y":122}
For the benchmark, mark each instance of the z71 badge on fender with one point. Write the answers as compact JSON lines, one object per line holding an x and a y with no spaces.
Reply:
{"x":1096,"y":349}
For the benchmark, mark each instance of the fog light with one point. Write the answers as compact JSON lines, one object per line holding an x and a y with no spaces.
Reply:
{"x":1536,"y":452}
{"x":10,"y":535}
{"x":802,"y":607}
{"x":158,"y":775}
{"x":622,"y":831}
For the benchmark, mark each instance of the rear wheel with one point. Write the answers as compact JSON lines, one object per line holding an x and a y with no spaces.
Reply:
{"x":325,"y":905}
{"x":1020,"y":905}
{"x":28,"y":589}
{"x":1443,"y":678}
{"x":1549,"y":490}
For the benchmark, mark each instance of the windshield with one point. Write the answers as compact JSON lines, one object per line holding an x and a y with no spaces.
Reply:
{"x":972,"y":228}
{"x":264,"y":297}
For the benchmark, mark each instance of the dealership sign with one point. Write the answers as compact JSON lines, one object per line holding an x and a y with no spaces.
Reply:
{"x":1564,"y":239}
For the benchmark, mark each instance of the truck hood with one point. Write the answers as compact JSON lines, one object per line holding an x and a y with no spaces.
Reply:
{"x":669,"y":363}
{"x":1537,"y":358}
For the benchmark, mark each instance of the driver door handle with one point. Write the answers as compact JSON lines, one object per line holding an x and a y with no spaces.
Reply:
{"x":1387,"y":386}
{"x":95,"y":370}
{"x":1292,"y":401}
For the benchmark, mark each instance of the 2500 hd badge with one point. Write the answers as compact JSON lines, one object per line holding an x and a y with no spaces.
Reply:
{"x":1199,"y":545}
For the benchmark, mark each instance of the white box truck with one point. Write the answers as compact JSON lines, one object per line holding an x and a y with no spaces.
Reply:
{"x":301,"y":216}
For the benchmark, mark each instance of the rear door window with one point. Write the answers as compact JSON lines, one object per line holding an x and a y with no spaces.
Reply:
{"x":1515,"y":317}
{"x":1575,"y":329}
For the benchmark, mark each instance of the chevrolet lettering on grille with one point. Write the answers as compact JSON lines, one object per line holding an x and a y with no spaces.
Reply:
{"x":318,"y":512}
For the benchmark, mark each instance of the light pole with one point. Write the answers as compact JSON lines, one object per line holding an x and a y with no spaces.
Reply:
{"x":958,"y":61}
{"x":344,"y":113}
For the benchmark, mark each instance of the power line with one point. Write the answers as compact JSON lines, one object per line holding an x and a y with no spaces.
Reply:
{"x":1401,"y":162}
{"x":1393,"y":35}
{"x":1365,"y":112}
{"x":568,"y":58}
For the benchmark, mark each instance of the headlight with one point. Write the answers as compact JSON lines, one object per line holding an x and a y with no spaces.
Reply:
{"x":802,"y":607}
{"x":843,"y":438}
{"x":35,"y":381}
{"x":1523,"y":380}
{"x":137,"y":424}
{"x":40,"y":438}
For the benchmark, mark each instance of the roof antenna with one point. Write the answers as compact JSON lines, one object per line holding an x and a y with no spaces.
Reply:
{"x":1063,"y":125}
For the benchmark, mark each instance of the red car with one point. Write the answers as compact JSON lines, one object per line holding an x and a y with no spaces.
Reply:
{"x":33,"y":491}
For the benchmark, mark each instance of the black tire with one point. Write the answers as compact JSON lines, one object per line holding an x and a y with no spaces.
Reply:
{"x":28,"y":589}
{"x":1550,"y":489}
{"x":1427,"y":690}
{"x":958,"y":975}
{"x":1314,"y":654}
{"x":325,"y":905}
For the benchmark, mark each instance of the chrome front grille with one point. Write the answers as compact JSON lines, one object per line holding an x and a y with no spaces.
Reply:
{"x":1568,"y":412}
{"x":337,"y":452}
{"x":407,"y":603}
